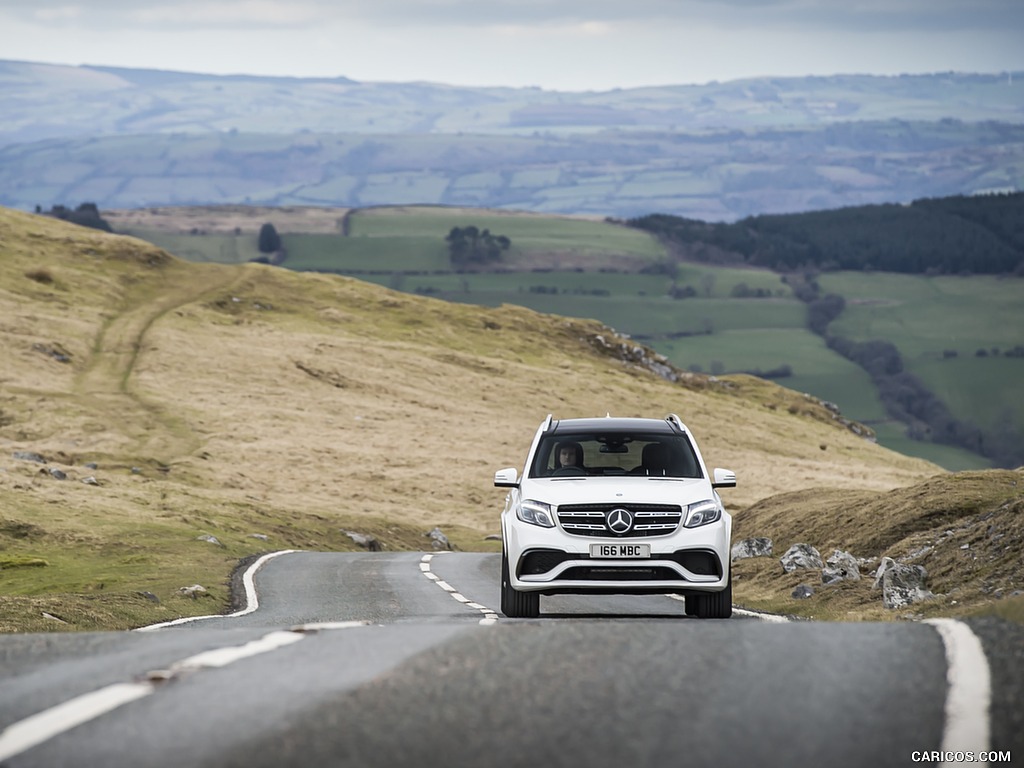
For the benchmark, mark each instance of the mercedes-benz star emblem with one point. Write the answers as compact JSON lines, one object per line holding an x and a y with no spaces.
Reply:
{"x":619,"y":520}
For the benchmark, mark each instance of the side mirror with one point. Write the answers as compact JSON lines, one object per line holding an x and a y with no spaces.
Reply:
{"x":724,"y":478}
{"x":506,"y":478}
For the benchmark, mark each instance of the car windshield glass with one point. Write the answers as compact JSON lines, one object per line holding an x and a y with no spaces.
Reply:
{"x":615,"y":453}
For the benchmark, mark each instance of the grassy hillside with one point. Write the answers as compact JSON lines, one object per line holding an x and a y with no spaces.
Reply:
{"x":236,"y":401}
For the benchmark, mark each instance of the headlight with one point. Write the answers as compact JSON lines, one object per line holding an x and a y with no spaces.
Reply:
{"x":702,"y":513}
{"x":535,"y":513}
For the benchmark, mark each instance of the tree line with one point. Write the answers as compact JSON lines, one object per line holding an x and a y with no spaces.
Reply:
{"x":982,"y":234}
{"x":906,"y":398}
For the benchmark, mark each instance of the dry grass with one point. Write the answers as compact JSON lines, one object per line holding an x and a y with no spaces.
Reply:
{"x":241,"y":400}
{"x":966,"y":529}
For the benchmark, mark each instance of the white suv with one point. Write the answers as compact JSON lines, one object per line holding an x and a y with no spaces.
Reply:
{"x":613,"y":505}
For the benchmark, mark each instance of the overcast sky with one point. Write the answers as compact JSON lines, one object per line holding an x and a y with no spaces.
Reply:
{"x":555,"y":44}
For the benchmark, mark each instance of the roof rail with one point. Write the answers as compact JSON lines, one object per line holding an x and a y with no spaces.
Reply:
{"x":675,"y":421}
{"x":546,"y":425}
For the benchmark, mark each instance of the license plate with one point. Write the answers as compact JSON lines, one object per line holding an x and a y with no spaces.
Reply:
{"x":620,"y":550}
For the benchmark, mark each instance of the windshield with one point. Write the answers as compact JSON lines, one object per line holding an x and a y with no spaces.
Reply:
{"x":615,"y":453}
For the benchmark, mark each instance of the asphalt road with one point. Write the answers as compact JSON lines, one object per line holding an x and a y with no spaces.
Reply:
{"x":395,"y":659}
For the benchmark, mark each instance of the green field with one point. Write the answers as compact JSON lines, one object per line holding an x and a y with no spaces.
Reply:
{"x":528,"y":232}
{"x":931,"y":319}
{"x":221,"y":249}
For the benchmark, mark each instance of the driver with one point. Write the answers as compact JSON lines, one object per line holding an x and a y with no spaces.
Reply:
{"x":569,"y":455}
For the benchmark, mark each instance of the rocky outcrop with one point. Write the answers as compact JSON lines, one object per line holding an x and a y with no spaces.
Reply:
{"x":840,"y":567}
{"x":438,"y":541}
{"x":759,"y":546}
{"x":901,"y":584}
{"x":801,"y":556}
{"x":365,"y":540}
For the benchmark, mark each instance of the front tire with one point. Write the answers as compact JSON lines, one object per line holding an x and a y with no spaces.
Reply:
{"x":712,"y":605}
{"x":516,"y":604}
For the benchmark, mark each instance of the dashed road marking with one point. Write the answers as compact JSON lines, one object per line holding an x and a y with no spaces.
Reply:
{"x":490,"y":617}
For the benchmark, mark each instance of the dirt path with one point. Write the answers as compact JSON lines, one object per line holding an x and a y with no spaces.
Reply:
{"x":106,"y":381}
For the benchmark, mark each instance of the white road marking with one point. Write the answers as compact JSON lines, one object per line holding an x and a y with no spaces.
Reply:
{"x":490,"y":617}
{"x":316,"y":626}
{"x":221,"y":657}
{"x":742,"y":612}
{"x":769,"y":617}
{"x":43,"y":726}
{"x":251,"y":599}
{"x":968,"y":699}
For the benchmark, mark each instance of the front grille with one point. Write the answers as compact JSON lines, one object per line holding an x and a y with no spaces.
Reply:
{"x":592,"y":519}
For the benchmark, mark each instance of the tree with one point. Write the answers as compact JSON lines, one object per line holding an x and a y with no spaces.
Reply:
{"x":269,"y":240}
{"x":85,"y":215}
{"x":468,"y":246}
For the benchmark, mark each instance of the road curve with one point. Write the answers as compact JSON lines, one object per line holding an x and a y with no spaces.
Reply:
{"x":393,"y":659}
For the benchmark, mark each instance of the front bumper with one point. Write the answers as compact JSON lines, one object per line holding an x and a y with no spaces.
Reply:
{"x":551,"y":561}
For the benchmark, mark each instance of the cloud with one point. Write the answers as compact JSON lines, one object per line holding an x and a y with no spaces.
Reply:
{"x":557,"y":44}
{"x":853,"y":15}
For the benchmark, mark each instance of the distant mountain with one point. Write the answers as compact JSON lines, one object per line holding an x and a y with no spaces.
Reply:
{"x":718,"y":152}
{"x":50,"y":101}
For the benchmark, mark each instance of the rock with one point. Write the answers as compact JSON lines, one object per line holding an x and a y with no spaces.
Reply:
{"x":759,"y":546}
{"x":492,"y":537}
{"x":194,"y":591}
{"x":51,"y":617}
{"x":149,"y":596}
{"x":90,"y":480}
{"x":901,"y":584}
{"x":801,"y":556}
{"x":802,"y":592}
{"x":91,"y":465}
{"x":56,"y":351}
{"x":260,"y":536}
{"x":365,"y":540}
{"x":842,"y":565}
{"x":209,"y":539}
{"x":438,"y":540}
{"x":29,"y":456}
{"x":57,"y":474}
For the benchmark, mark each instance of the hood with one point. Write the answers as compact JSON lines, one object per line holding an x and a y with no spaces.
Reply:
{"x":620,"y":488}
